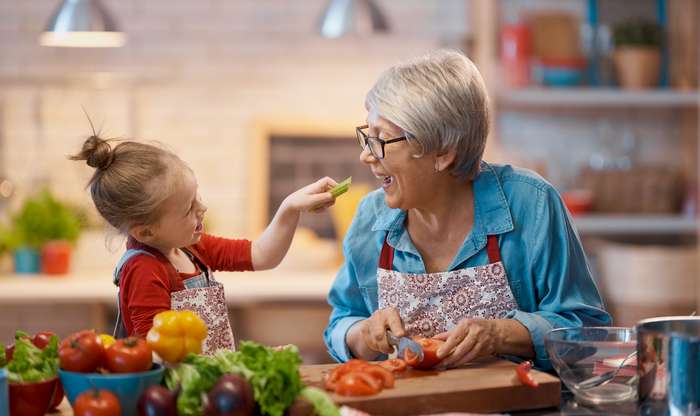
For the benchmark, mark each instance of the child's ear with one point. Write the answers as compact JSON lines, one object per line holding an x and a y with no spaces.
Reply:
{"x":142,"y":233}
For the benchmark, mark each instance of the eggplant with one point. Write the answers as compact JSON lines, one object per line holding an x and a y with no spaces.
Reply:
{"x":300,"y":407}
{"x":158,"y":401}
{"x":232,"y":395}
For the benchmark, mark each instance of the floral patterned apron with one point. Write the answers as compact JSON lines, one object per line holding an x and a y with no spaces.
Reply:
{"x":202,"y":294}
{"x":431,"y":303}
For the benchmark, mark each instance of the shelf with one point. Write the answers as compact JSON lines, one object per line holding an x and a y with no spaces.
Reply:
{"x":636,"y":224}
{"x":596,"y":97}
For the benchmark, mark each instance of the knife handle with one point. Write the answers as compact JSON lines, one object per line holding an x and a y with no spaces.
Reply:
{"x":392,"y":339}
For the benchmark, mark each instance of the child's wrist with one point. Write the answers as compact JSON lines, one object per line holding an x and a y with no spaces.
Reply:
{"x":287,"y":207}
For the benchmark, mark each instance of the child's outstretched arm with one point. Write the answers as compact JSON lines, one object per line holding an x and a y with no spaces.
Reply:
{"x":269,"y":250}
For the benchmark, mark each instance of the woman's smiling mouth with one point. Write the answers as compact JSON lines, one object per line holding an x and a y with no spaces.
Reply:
{"x":386,"y":180}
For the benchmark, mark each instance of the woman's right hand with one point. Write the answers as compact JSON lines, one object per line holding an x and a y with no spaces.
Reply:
{"x":367,"y":338}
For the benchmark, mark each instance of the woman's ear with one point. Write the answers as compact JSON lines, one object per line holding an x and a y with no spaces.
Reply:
{"x":444,"y":160}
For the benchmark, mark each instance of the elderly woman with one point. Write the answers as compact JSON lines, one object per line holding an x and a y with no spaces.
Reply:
{"x":478,"y":255}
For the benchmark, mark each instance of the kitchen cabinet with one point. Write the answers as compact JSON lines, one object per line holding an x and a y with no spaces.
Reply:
{"x":587,"y":106}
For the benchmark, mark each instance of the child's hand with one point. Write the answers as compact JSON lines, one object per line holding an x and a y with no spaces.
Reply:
{"x":314,"y":197}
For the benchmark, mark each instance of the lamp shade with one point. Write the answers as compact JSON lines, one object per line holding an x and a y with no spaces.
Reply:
{"x":341,"y":17}
{"x":82,"y":23}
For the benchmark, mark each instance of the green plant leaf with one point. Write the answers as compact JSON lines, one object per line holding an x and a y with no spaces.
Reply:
{"x":41,"y":218}
{"x":642,"y":33}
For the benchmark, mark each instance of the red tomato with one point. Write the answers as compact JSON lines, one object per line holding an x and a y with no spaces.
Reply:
{"x":9,"y":352}
{"x":96,"y":403}
{"x":41,"y":339}
{"x":380,"y":373}
{"x":81,"y":352}
{"x":129,"y":355}
{"x":430,"y":348}
{"x":395,"y":365}
{"x":358,"y":383}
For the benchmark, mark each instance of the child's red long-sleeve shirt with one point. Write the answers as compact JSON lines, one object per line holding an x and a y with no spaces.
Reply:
{"x":146,"y":282}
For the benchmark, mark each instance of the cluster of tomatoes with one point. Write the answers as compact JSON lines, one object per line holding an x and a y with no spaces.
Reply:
{"x":86,"y":352}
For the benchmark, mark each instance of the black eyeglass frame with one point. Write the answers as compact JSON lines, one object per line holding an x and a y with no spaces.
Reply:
{"x":364,"y":139}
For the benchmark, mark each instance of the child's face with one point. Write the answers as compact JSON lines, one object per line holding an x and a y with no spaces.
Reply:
{"x":183,"y":213}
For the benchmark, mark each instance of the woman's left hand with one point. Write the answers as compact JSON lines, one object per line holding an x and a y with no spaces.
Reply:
{"x":469,"y":340}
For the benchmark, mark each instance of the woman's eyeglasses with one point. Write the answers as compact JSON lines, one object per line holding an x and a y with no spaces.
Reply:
{"x":375,"y":144}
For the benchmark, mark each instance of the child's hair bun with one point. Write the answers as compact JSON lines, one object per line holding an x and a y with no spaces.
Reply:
{"x":97,"y":152}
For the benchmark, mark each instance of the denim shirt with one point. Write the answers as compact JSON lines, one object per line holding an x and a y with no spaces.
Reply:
{"x":546,"y":266}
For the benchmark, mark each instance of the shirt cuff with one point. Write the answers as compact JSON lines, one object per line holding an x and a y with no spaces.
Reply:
{"x":538,"y":328}
{"x":341,"y":352}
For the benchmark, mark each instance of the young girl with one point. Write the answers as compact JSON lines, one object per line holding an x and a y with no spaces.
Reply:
{"x":150,"y":194}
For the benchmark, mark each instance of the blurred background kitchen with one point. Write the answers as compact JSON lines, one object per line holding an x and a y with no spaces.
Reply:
{"x":262,"y":96}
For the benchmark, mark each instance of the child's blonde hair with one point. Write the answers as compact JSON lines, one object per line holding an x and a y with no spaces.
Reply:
{"x":131,"y":180}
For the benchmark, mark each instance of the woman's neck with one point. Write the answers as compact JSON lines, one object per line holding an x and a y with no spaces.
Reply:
{"x":448,"y":208}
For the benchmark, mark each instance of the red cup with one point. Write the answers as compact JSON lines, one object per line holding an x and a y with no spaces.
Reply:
{"x":32,"y":399}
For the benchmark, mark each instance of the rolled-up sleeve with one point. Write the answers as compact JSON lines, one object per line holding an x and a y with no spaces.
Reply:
{"x":564,"y":291}
{"x":345,"y":296}
{"x":348,"y":308}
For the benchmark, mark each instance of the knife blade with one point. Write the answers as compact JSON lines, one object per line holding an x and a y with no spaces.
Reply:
{"x":403,"y":343}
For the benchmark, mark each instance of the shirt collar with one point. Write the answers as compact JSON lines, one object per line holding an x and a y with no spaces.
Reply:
{"x":493,"y":213}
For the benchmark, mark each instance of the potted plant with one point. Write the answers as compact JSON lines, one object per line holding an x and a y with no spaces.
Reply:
{"x":637,"y":55}
{"x":41,"y":235}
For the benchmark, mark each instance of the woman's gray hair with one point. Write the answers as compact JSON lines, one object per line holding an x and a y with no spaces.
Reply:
{"x":440,"y":101}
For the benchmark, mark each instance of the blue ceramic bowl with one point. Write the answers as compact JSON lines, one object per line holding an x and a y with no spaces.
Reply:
{"x":127,"y":387}
{"x":554,"y":76}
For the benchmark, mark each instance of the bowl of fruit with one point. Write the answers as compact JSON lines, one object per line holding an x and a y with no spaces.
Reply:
{"x":93,"y":373}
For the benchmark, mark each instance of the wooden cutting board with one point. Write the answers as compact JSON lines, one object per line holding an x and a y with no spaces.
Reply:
{"x":481,"y":388}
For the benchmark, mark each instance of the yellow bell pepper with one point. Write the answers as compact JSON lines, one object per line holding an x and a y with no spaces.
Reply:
{"x":175,"y":334}
{"x":107,"y":340}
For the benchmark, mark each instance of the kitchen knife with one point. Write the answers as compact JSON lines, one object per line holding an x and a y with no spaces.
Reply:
{"x":404,"y":343}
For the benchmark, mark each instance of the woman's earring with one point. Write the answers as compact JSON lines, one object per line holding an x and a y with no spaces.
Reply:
{"x":437,"y":169}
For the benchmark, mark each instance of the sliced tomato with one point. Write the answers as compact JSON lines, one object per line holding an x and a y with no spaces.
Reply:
{"x":395,"y":365}
{"x":355,"y":362}
{"x":331,"y":379}
{"x":358,"y":383}
{"x":430,"y":359}
{"x":380,"y":373}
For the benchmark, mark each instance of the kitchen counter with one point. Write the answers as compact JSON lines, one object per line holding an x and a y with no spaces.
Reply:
{"x":96,"y":287}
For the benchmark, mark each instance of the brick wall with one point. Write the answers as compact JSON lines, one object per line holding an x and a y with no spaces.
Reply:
{"x":196,"y":75}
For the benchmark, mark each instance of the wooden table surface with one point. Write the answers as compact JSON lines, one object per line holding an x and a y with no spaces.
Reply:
{"x":480,"y":388}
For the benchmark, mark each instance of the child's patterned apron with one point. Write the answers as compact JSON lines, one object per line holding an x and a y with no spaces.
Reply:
{"x":431,"y":303}
{"x":202,"y":294}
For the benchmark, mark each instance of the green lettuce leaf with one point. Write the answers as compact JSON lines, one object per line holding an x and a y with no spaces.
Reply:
{"x":3,"y":356}
{"x":273,"y":373}
{"x":30,"y":364}
{"x":196,"y":375}
{"x":323,"y":405}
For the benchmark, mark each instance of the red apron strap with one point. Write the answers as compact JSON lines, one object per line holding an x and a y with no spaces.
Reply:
{"x":492,"y":249}
{"x":386,"y":259}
